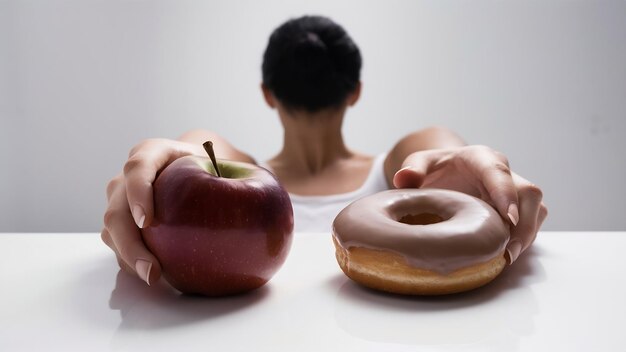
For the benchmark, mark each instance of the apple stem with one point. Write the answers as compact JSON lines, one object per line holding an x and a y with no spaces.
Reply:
{"x":208,"y":146}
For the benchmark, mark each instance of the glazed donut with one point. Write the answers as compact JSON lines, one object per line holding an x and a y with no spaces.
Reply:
{"x":420,"y":241}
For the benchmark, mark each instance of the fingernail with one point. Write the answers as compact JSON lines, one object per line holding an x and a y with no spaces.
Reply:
{"x":513,"y":250}
{"x":400,"y":171}
{"x":139,"y":215}
{"x":513,"y":214}
{"x":143,"y":268}
{"x":395,"y":182}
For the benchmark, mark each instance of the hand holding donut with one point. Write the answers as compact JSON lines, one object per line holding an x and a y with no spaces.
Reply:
{"x":484,"y":173}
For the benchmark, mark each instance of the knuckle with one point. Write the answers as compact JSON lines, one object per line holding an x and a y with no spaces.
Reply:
{"x":533,"y":192}
{"x":132,"y":163}
{"x":466,"y":153}
{"x":124,"y":249}
{"x":481,"y":148}
{"x":120,"y":263}
{"x":105,"y":236}
{"x":503,"y":158}
{"x":111,"y":216}
{"x":137,"y":147}
{"x":484,"y":150}
{"x":543,"y":211}
{"x":436,"y":129}
{"x":502,"y":167}
{"x":532,"y":239}
{"x":499,"y":156}
{"x":112,"y":185}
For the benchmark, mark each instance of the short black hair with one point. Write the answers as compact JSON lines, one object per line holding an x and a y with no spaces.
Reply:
{"x":311,"y":63}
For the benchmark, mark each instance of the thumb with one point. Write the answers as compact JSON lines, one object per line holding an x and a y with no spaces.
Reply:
{"x":412,"y":173}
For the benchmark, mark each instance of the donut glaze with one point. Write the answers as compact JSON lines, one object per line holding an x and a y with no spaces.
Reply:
{"x":435,"y":230}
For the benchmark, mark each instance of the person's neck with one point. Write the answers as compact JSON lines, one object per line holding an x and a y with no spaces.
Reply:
{"x":312,"y":141}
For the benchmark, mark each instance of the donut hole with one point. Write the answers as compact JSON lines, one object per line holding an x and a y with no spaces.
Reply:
{"x":421,"y":219}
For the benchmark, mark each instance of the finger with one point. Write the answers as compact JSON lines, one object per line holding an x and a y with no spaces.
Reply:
{"x":122,"y":264}
{"x":543,"y":214}
{"x":524,"y":233}
{"x":413,"y":171}
{"x":106,"y":238}
{"x":127,"y":242}
{"x":541,"y":217}
{"x":131,"y":249}
{"x":498,"y":182}
{"x":113,"y":184}
{"x":140,"y":172}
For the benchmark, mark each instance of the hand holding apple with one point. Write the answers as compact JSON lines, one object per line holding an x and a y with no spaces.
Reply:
{"x":219,"y":235}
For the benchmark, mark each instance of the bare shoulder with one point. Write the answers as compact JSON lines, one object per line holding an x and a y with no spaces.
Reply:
{"x":435,"y":137}
{"x":223,"y":148}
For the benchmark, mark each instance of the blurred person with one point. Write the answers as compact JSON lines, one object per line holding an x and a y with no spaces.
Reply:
{"x":311,"y":77}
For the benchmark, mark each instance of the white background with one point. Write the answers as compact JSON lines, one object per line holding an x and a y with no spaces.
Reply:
{"x":81,"y":81}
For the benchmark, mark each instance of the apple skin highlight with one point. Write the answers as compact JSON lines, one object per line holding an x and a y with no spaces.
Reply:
{"x":215,"y":235}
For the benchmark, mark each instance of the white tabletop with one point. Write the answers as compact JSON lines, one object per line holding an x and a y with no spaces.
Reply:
{"x":65,"y":292}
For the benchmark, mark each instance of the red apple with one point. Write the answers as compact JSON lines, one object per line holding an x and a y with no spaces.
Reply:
{"x":219,"y":235}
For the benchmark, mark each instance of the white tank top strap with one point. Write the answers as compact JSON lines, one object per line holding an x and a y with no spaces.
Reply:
{"x":376,"y":180}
